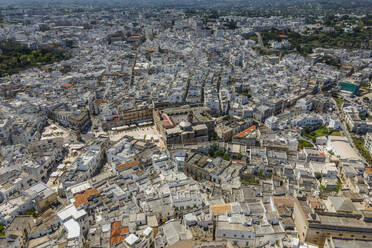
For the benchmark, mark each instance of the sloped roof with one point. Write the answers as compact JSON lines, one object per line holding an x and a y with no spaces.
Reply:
{"x":245,"y":132}
{"x":82,"y":198}
{"x":117,"y":233}
{"x":127,"y":165}
{"x":342,"y":204}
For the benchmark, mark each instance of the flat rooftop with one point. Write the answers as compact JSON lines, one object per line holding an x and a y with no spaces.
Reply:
{"x":344,"y":222}
{"x":222,"y":225}
{"x":343,"y":148}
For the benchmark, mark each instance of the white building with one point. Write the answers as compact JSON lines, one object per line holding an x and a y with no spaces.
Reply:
{"x":235,"y":228}
{"x":120,"y":153}
{"x":368,"y":142}
{"x":4,"y":130}
{"x":307,"y":121}
{"x":334,"y":124}
{"x":272,"y":122}
{"x":14,"y":207}
{"x":190,"y":198}
{"x":90,"y":160}
{"x":75,"y":221}
{"x":304,"y":103}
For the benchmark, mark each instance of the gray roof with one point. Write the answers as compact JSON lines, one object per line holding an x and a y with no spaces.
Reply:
{"x":342,"y":243}
{"x":342,"y":204}
{"x":174,"y":231}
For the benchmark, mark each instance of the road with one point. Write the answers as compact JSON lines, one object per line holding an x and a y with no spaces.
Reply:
{"x":186,"y":93}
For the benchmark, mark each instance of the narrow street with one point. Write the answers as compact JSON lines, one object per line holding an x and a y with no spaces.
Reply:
{"x":185,"y":94}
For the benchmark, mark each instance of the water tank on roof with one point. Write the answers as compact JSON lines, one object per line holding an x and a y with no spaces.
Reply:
{"x":185,"y":125}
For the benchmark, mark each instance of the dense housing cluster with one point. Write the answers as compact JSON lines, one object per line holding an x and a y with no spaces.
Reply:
{"x":165,"y":129}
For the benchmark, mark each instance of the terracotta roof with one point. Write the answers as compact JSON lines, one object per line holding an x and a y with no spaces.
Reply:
{"x":314,"y":202}
{"x":242,"y":162}
{"x":221,"y":208}
{"x":127,"y":165}
{"x":368,"y":171}
{"x":283,"y":201}
{"x":117,"y":233}
{"x":167,"y":122}
{"x":67,"y":85}
{"x":82,"y":198}
{"x":245,"y":132}
{"x":172,"y":121}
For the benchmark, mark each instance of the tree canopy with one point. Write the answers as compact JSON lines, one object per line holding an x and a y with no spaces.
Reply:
{"x":15,"y":57}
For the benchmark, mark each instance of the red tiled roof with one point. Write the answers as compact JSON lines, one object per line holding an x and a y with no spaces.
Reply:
{"x":245,"y":132}
{"x":283,"y":36}
{"x":167,"y":122}
{"x":117,"y":233}
{"x":368,"y":171}
{"x":172,"y":121}
{"x":314,"y":202}
{"x":127,"y":165}
{"x":82,"y":198}
{"x":67,"y":85}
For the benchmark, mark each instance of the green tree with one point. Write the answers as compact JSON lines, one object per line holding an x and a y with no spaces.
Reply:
{"x":226,"y":157}
{"x":17,"y":57}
